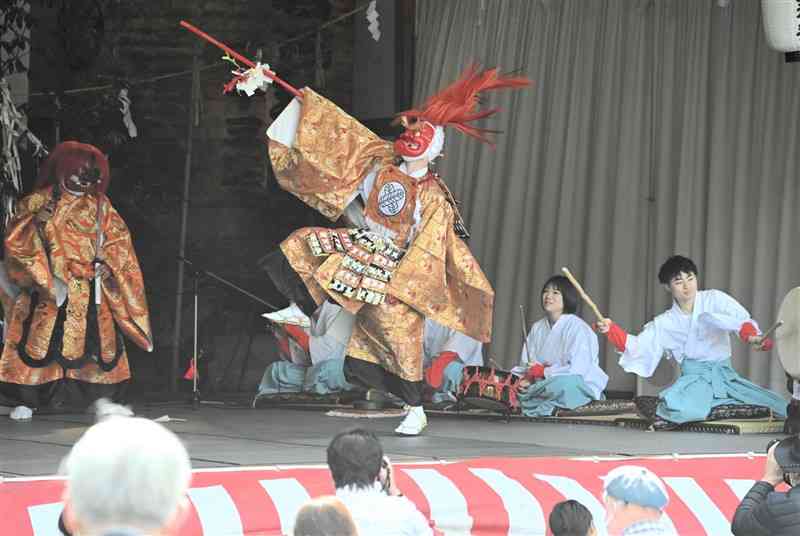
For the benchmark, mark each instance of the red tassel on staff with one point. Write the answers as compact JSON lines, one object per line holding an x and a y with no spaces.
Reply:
{"x":190,"y":372}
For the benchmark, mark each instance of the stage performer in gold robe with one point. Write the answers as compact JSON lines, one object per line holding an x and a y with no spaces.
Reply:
{"x":403,"y":259}
{"x":71,"y":285}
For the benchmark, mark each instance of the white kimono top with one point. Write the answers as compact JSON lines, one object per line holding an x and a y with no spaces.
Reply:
{"x":703,"y":335}
{"x":438,"y":339}
{"x":568,"y":347}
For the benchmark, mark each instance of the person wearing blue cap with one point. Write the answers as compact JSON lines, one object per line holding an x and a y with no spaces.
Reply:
{"x":635,"y":500}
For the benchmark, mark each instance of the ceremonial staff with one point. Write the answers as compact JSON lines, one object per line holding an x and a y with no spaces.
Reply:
{"x":235,"y":55}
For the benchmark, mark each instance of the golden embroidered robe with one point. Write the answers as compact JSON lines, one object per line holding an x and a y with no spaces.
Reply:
{"x":437,"y":277}
{"x":39,"y":257}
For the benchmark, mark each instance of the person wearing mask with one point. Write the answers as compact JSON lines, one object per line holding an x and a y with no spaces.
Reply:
{"x":410,"y":262}
{"x":72,"y":290}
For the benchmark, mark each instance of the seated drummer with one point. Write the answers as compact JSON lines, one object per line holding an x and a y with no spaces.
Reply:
{"x":695,"y":332}
{"x":559,"y":362}
{"x":313,"y":358}
{"x":446,"y":353}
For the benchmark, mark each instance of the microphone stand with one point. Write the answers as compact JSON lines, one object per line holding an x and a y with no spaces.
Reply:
{"x":198,"y":273}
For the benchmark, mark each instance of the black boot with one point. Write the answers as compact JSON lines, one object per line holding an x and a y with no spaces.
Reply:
{"x":287,"y":281}
{"x":646,"y":407}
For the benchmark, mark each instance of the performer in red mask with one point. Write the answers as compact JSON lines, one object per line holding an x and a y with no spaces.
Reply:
{"x":405,"y":258}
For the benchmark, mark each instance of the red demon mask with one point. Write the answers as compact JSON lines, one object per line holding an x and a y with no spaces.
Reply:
{"x":79,"y":165}
{"x":415,"y":139}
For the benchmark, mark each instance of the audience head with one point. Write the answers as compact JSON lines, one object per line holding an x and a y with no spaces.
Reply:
{"x":354,"y":458}
{"x":787,"y":456}
{"x":127,"y":474}
{"x":324,"y":516}
{"x":571,"y":518}
{"x":633,"y":494}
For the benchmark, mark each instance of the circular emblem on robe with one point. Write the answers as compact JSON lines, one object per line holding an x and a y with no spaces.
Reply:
{"x":391,"y":198}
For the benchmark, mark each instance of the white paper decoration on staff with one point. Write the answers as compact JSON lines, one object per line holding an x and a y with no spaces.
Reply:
{"x":372,"y":18}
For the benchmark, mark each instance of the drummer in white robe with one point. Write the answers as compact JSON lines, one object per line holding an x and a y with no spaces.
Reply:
{"x":447,"y":352}
{"x":695,"y":332}
{"x":314,"y":357}
{"x":559,"y":360}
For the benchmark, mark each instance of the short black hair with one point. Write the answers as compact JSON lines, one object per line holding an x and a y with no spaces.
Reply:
{"x":568,"y":292}
{"x":674,"y":266}
{"x":354,"y":458}
{"x":570,"y":518}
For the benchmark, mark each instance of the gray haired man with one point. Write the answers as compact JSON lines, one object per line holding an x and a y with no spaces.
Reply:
{"x":126,"y":476}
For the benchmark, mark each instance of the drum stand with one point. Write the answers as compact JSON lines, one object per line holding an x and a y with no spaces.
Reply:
{"x":198,"y":273}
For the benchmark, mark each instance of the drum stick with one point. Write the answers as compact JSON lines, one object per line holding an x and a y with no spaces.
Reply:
{"x":525,"y":333}
{"x":582,"y":292}
{"x":775,"y":326}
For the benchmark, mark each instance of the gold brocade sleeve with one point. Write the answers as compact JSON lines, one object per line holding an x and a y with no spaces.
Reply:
{"x":439,"y":277}
{"x":125,"y":291}
{"x":332,"y":154}
{"x":25,"y":255}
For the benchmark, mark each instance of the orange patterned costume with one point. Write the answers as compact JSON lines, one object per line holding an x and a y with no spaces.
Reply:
{"x":437,"y":276}
{"x":408,"y":261}
{"x":55,"y":327}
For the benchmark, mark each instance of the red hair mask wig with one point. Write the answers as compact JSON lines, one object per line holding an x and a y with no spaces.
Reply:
{"x":72,"y":158}
{"x":458,"y":104}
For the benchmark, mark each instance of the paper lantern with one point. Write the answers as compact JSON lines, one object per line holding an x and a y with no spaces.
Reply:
{"x":782,"y":26}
